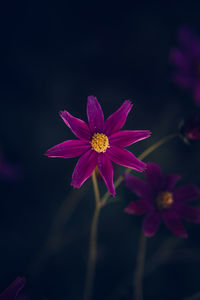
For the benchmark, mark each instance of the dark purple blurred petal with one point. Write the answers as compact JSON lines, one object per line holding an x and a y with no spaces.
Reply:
{"x":125,"y":158}
{"x":154,"y":175}
{"x":95,"y":115}
{"x":170,"y":181}
{"x":183,"y":80}
{"x":10,"y":172}
{"x":187,"y":36}
{"x":77,"y":126}
{"x":84,"y":168}
{"x":186,"y":193}
{"x":179,"y":59}
{"x":138,"y":186}
{"x":106,"y":170}
{"x":137,"y":207}
{"x":117,"y":120}
{"x":189,"y":213}
{"x":197,"y":93}
{"x":173,"y":223}
{"x":13,"y":289}
{"x":69,"y":149}
{"x":128,"y":137}
{"x":151,"y":223}
{"x":189,"y":41}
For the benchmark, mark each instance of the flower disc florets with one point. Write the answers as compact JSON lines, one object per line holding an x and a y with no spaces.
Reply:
{"x":164,"y":200}
{"x":100,"y":142}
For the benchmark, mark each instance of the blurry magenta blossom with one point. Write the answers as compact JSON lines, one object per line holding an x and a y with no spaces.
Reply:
{"x":190,"y":129}
{"x":8,"y":171}
{"x":186,"y":59}
{"x":99,"y":143}
{"x":13,"y":291}
{"x":160,"y":201}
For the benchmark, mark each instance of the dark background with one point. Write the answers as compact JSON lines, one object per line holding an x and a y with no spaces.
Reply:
{"x":53,"y":55}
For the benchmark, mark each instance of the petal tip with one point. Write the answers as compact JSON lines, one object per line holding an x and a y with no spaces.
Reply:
{"x":128,"y":103}
{"x":92,"y":98}
{"x":47,"y":153}
{"x":61,"y":113}
{"x":149,"y":133}
{"x":113,"y":193}
{"x":75,"y":186}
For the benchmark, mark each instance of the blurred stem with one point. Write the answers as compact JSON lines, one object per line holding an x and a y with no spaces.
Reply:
{"x":55,"y":239}
{"x":139,"y":271}
{"x":93,"y":242}
{"x":144,"y":154}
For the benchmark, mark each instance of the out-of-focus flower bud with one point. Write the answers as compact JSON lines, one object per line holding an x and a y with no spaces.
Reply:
{"x":190,"y":129}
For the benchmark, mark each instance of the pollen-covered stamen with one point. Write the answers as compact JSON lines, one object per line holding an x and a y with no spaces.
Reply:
{"x":164,"y":200}
{"x":100,"y":142}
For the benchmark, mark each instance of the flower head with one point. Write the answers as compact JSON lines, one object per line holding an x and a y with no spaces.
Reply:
{"x":186,"y":59}
{"x":13,"y":290}
{"x":99,"y":143}
{"x":190,"y":129}
{"x":160,"y":201}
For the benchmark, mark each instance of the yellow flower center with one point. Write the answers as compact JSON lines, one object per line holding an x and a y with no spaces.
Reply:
{"x":164,"y":200}
{"x":100,"y":142}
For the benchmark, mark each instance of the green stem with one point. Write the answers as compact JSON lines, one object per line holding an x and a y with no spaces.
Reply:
{"x":141,"y":157}
{"x":93,"y":242}
{"x":138,"y":274}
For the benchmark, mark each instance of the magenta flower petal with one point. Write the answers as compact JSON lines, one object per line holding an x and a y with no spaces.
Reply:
{"x":154,"y":175}
{"x":106,"y":170}
{"x":13,"y":289}
{"x":137,"y":207}
{"x":151,"y":223}
{"x":77,"y":126}
{"x":117,"y":120}
{"x":125,"y":158}
{"x":84,"y":168}
{"x":173,"y":222}
{"x":170,"y":181}
{"x":189,"y":213}
{"x":128,"y":137}
{"x":186,"y":193}
{"x":69,"y":149}
{"x":95,"y":115}
{"x":138,"y":186}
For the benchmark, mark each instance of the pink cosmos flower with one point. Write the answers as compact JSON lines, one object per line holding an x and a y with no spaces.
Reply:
{"x":159,"y":201}
{"x":99,"y":143}
{"x":186,"y":60}
{"x":13,"y":291}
